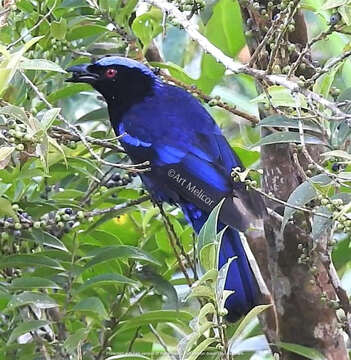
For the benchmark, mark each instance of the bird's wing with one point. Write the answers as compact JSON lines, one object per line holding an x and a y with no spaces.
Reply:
{"x":191,"y":159}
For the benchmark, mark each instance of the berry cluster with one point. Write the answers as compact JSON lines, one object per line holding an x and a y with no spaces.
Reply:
{"x":16,"y":135}
{"x":117,"y":180}
{"x":190,"y":5}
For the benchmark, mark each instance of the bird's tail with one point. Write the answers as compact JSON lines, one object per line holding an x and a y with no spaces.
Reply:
{"x":240,"y":277}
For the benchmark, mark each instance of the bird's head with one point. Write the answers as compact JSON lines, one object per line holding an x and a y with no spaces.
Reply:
{"x":117,"y":79}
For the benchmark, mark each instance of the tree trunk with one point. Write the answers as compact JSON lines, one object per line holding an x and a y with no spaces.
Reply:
{"x":299,"y":285}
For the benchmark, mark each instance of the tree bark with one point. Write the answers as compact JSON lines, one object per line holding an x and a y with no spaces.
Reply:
{"x":297,"y":288}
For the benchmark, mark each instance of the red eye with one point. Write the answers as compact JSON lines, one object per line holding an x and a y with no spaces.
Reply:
{"x":110,"y":73}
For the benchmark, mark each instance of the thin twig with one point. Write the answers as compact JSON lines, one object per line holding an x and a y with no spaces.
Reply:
{"x":206,"y":98}
{"x":238,"y":68}
{"x":59,"y":132}
{"x":158,"y":337}
{"x":117,"y":208}
{"x":177,"y":240}
{"x":174,"y":247}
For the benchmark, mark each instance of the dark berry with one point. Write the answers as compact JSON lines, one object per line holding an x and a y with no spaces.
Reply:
{"x":110,"y":184}
{"x":69,"y":224}
{"x":116,"y":177}
{"x":69,"y":211}
{"x":334,"y":18}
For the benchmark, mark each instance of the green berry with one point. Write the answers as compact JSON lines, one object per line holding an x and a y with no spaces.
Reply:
{"x":36,"y":224}
{"x":80,"y":215}
{"x":18,"y":226}
{"x":20,"y":147}
{"x":27,"y":137}
{"x":19,"y":134}
{"x":291,"y":47}
{"x":65,"y":217}
{"x":291,"y":28}
{"x":15,"y":207}
{"x":4,"y":235}
{"x":324,"y":201}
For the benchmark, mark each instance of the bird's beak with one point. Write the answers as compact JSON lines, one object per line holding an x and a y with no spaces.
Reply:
{"x":81,"y":74}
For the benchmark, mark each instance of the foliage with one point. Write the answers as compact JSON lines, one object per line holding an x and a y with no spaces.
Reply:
{"x":87,"y":268}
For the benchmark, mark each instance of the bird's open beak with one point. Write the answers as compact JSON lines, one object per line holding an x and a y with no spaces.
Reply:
{"x":81,"y":74}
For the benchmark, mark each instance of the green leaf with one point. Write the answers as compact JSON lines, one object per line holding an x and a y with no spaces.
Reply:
{"x":106,"y":279}
{"x":338,"y":153}
{"x":40,"y":300}
{"x":6,"y":208}
{"x":176,"y":71}
{"x":59,"y":28}
{"x":247,"y":157}
{"x":280,"y":96}
{"x":202,"y":291}
{"x":81,"y":32}
{"x":305,"y":351}
{"x":247,"y":319}
{"x":323,"y":84}
{"x":208,"y":232}
{"x":100,"y":114}
{"x":195,"y":353}
{"x":16,"y":112}
{"x":147,"y":26}
{"x":46,"y":239}
{"x":155,"y":317}
{"x":210,"y":275}
{"x":331,"y":4}
{"x":287,"y":137}
{"x":74,"y":4}
{"x":40,"y":64}
{"x":149,"y":275}
{"x":127,"y":356}
{"x":26,"y":327}
{"x":345,"y":12}
{"x":119,"y":251}
{"x":10,"y":64}
{"x":208,"y":256}
{"x":321,"y":224}
{"x":285,"y":122}
{"x":225,"y":31}
{"x":221,"y":293}
{"x":67,"y":91}
{"x":49,"y":117}
{"x":5,"y":152}
{"x":187,"y":342}
{"x":26,"y":260}
{"x":303,"y":194}
{"x":73,"y":340}
{"x":33,"y":282}
{"x":93,"y":305}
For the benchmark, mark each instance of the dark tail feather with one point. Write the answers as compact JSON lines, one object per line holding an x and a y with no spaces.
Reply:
{"x":240,"y":277}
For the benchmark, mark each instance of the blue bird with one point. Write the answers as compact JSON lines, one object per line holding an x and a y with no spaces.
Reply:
{"x":190,"y":159}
